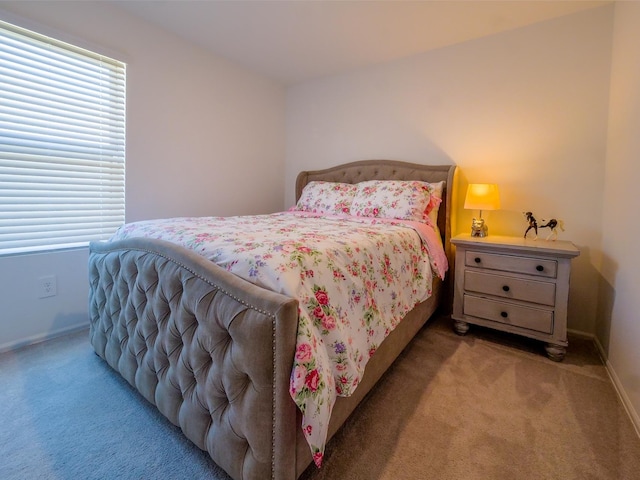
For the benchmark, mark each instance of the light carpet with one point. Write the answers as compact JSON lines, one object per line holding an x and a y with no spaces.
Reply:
{"x":484,"y":406}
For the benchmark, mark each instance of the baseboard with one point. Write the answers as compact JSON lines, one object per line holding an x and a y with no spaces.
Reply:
{"x":622,"y":394}
{"x":581,"y":334}
{"x":43,"y":337}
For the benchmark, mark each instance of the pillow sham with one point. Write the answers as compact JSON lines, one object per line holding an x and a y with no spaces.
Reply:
{"x":398,"y":199}
{"x":328,"y":198}
{"x":436,"y":193}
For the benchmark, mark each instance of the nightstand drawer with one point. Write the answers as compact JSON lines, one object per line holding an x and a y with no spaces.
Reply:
{"x":510,"y":263}
{"x":533,"y":291}
{"x":536,"y":319}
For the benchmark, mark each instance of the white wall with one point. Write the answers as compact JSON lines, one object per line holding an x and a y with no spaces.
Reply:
{"x":526,"y":109}
{"x":618,"y":327}
{"x":204,"y":137}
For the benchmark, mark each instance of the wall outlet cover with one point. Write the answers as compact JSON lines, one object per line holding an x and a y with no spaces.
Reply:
{"x":47,"y":286}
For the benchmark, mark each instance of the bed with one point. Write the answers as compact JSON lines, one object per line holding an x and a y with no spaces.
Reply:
{"x":215,"y":353}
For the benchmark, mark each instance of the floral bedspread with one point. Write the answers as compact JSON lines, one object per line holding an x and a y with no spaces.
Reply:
{"x":354,"y":278}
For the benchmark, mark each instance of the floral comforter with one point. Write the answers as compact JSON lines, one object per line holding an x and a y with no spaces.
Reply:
{"x":354,"y":278}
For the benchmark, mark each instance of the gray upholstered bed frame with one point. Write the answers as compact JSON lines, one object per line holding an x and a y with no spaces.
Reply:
{"x":214,"y":352}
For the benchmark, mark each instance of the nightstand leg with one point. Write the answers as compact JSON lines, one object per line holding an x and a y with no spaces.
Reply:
{"x":555,"y":352}
{"x":460,"y":327}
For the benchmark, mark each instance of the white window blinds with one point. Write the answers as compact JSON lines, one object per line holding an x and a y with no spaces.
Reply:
{"x":62,"y":143}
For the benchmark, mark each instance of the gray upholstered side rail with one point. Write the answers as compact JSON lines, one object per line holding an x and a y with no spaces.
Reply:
{"x":213,"y":352}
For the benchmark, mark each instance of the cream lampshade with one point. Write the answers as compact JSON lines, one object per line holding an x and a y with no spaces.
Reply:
{"x":481,"y":196}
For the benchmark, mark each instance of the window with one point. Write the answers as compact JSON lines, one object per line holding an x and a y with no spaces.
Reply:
{"x":62,"y":143}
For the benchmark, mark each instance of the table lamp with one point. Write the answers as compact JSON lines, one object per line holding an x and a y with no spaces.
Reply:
{"x":481,"y":196}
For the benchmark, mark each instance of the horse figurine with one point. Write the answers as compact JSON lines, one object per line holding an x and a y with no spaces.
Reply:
{"x":553,"y":224}
{"x":533,"y":224}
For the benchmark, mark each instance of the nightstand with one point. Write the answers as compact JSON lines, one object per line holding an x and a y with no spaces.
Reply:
{"x":515,"y":285}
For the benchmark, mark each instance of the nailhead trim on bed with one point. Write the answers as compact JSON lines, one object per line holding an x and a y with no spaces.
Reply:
{"x":157,"y":361}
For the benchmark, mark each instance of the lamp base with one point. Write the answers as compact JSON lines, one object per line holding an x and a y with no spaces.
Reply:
{"x":479,"y":228}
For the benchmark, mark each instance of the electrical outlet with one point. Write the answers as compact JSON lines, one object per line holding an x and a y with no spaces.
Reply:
{"x":47,"y":286}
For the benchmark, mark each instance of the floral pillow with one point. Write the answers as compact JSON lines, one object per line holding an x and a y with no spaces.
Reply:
{"x":399,"y":199}
{"x":436,"y":200}
{"x":329,"y":198}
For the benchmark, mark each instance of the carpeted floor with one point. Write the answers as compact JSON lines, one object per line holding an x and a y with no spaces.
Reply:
{"x":484,"y":406}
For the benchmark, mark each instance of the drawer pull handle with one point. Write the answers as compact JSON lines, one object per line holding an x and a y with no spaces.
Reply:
{"x":506,"y":288}
{"x":477,"y":260}
{"x":540,"y":268}
{"x":504,"y":314}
